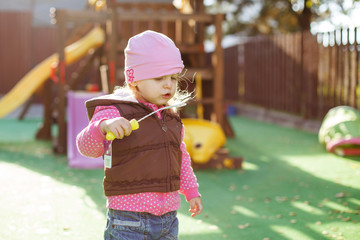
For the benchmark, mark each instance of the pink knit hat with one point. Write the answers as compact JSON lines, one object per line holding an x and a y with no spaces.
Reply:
{"x":150,"y":55}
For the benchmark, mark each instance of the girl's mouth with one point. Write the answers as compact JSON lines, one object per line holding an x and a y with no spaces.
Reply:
{"x":167,"y":95}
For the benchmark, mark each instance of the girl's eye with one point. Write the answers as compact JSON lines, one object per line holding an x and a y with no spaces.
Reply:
{"x":175,"y":77}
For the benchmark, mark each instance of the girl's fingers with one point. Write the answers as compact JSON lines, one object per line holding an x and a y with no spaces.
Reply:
{"x":120,"y":133}
{"x":195,"y":206}
{"x":120,"y":127}
{"x":124,"y":127}
{"x":194,"y":212}
{"x":127,"y":129}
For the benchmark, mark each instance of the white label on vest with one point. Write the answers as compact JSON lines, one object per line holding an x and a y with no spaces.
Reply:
{"x":107,"y":161}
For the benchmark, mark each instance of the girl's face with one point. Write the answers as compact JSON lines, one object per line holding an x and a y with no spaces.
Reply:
{"x":157,"y":90}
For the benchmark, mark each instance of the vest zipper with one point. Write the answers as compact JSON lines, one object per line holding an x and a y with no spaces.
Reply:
{"x":164,"y":128}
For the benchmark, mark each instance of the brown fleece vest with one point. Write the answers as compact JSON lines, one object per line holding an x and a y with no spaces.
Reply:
{"x":149,"y":160}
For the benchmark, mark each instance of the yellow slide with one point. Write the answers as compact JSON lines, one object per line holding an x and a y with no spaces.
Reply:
{"x":41,"y":73}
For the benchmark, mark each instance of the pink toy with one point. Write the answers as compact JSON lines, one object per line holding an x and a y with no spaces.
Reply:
{"x":77,"y":120}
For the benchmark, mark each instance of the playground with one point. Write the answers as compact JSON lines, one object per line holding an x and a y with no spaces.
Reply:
{"x":258,"y":180}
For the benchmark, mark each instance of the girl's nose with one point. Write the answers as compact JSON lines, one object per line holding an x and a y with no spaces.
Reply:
{"x":168,"y":82}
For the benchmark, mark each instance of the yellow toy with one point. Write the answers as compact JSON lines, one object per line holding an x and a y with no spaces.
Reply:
{"x":202,"y":138}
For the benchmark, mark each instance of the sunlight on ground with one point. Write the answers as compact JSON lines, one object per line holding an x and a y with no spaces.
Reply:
{"x":288,"y":231}
{"x":192,"y":226}
{"x":249,"y":166}
{"x":355,"y":201}
{"x":337,"y":168}
{"x":332,"y":231}
{"x":245,"y":211}
{"x":304,"y":206}
{"x":29,"y":214}
{"x":339,"y":222}
{"x":337,"y":206}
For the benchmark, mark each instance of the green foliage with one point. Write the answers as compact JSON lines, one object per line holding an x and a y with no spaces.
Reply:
{"x":277,"y":16}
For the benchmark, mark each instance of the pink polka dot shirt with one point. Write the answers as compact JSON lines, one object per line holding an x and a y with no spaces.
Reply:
{"x":91,"y":142}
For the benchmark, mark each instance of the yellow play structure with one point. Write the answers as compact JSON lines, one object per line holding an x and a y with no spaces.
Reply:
{"x":35,"y":78}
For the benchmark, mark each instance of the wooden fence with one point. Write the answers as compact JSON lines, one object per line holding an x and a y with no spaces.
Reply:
{"x":280,"y":73}
{"x":23,"y":46}
{"x":15,"y":56}
{"x":339,"y":69}
{"x":299,"y":73}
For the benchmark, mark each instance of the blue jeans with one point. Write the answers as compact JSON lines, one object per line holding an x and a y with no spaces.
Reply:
{"x":126,"y":225}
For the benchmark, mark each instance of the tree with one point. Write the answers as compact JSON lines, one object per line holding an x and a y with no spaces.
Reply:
{"x":269,"y":17}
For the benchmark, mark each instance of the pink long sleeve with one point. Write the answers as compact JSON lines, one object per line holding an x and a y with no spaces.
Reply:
{"x":90,"y":141}
{"x":188,"y":181}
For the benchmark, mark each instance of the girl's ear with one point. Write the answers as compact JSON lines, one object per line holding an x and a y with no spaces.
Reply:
{"x":133,"y":84}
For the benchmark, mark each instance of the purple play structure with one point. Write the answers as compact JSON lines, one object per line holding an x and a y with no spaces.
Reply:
{"x":77,"y":120}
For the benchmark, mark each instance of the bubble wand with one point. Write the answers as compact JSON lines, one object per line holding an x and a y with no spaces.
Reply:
{"x":135,"y":123}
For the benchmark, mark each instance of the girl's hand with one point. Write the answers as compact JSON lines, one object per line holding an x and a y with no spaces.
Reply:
{"x":195,"y":206}
{"x":120,"y":127}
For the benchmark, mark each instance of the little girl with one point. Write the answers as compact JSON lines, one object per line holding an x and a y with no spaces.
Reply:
{"x":150,"y":166}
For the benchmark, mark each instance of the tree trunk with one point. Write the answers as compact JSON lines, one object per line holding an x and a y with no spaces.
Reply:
{"x":305,"y":18}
